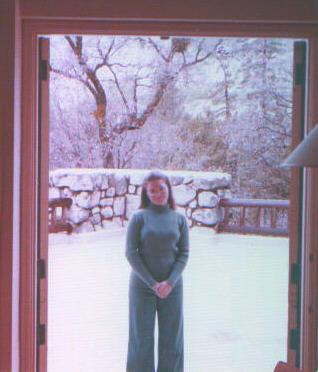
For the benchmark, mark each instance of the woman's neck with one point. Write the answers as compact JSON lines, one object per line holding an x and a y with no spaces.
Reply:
{"x":159,"y":208}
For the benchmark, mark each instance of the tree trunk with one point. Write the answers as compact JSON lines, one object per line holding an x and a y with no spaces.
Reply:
{"x":108,"y":156}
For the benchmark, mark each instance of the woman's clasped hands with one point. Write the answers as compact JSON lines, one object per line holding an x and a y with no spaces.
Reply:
{"x":162,"y":289}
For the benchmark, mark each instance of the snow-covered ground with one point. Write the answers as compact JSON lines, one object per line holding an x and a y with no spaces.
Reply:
{"x":235,"y":302}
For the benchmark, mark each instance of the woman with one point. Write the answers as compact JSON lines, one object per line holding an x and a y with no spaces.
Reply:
{"x":157,"y":250}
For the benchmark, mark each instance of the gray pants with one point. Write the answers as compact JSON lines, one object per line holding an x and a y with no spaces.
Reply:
{"x":143,"y":306}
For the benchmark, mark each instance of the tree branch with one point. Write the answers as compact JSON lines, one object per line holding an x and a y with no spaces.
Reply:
{"x":78,"y":78}
{"x":119,"y":88}
{"x":157,"y":49}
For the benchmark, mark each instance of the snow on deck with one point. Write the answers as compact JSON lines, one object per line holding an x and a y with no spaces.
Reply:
{"x":235,"y":302}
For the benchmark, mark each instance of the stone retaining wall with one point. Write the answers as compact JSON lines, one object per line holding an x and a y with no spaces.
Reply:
{"x":104,"y":197}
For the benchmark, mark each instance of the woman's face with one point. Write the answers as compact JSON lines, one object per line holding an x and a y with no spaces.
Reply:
{"x":157,"y":192}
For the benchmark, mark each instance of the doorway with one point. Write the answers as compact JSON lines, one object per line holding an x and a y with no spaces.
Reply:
{"x":212,"y":115}
{"x":29,"y":235}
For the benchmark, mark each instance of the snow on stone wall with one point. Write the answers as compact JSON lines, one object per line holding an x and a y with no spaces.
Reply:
{"x":105,"y":197}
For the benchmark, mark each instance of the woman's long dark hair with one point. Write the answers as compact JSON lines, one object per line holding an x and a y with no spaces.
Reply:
{"x":144,"y":201}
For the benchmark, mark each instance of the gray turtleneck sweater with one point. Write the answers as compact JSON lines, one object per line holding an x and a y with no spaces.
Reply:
{"x":157,"y":245}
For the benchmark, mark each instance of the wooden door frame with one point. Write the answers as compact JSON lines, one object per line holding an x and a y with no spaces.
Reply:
{"x":31,"y":30}
{"x":310,"y":217}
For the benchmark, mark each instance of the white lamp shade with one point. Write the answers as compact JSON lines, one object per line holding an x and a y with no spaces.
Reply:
{"x":306,"y":153}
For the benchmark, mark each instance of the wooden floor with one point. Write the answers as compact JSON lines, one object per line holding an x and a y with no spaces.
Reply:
{"x":235,"y":302}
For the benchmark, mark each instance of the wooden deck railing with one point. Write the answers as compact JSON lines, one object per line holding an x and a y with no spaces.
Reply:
{"x":244,"y":216}
{"x":57,"y":215}
{"x":255,"y":216}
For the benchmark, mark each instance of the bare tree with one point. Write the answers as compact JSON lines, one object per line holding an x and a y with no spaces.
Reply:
{"x":146,"y":102}
{"x":101,"y":70}
{"x":224,"y":56}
